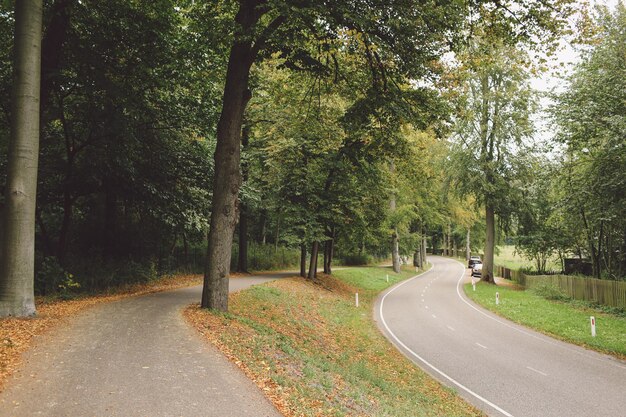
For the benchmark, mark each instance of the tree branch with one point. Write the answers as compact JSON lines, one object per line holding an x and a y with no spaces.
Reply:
{"x":261,"y":41}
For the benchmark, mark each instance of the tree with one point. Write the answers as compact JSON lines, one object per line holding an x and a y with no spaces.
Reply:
{"x":590,"y":115}
{"x":494,"y":118}
{"x":539,"y":231}
{"x":17,"y":259}
{"x":264,"y":27}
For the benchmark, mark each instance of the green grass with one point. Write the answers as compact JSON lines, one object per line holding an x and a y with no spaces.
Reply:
{"x":565,"y":320}
{"x":324,"y":356}
{"x":508,"y":257}
{"x":372,"y":280}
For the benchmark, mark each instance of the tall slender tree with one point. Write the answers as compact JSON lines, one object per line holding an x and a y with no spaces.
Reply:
{"x":494,"y":120}
{"x":17,"y":262}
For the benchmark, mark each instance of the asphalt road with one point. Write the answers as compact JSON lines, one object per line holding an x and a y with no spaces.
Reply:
{"x":502,"y":368}
{"x":134,"y":357}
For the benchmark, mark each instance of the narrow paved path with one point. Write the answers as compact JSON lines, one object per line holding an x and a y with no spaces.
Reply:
{"x":134,"y":357}
{"x":502,"y":368}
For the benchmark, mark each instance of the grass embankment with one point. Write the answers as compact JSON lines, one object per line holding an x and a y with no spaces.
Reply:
{"x":564,"y":319}
{"x":17,"y":334}
{"x":315,"y":354}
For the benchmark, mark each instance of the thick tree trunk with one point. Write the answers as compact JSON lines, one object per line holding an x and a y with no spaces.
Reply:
{"x":303,"y":260}
{"x":227,"y":179}
{"x":17,"y":260}
{"x":313,"y":263}
{"x":468,"y":251}
{"x":490,"y":241}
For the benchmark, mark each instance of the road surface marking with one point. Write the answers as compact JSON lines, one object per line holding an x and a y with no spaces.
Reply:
{"x":482,"y":346}
{"x":424,"y":361}
{"x":458,"y":291}
{"x":539,"y":372}
{"x":451,"y":328}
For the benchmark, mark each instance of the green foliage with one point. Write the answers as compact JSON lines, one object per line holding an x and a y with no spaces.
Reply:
{"x":590,"y":115}
{"x":268,"y":257}
{"x":356,"y":259}
{"x":68,"y":287}
{"x":550,"y":292}
{"x":50,"y":275}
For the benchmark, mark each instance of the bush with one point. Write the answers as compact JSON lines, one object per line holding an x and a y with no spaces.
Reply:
{"x":356,"y":259}
{"x":267,"y":257}
{"x":550,"y":292}
{"x":49,"y":275}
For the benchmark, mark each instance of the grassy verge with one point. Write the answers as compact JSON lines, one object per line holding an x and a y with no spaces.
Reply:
{"x":314,"y":353}
{"x":16,"y":334}
{"x":565,"y":320}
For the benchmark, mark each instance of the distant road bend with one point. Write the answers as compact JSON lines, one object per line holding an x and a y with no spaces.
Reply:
{"x":502,"y":368}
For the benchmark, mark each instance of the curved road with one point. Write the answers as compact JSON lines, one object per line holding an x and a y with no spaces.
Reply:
{"x":134,"y":357}
{"x":502,"y":368}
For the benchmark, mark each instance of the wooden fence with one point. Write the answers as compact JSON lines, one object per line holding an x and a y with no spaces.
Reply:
{"x":606,"y":292}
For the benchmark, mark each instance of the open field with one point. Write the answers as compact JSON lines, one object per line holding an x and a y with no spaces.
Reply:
{"x":507,"y":256}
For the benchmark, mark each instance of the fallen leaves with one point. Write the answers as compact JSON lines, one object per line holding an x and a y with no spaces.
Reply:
{"x":312,"y":353}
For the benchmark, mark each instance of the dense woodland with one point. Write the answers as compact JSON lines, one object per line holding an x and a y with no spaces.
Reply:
{"x":344,"y":131}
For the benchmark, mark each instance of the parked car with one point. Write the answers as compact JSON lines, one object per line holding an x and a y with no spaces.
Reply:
{"x":473,"y":260}
{"x":477,"y":269}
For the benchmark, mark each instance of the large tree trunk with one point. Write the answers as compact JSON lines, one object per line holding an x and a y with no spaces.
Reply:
{"x":490,"y":241}
{"x":468,"y":251}
{"x":313,"y":263}
{"x":227,"y":179}
{"x":17,"y":260}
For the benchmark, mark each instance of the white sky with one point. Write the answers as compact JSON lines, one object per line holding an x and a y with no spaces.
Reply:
{"x":548,"y":82}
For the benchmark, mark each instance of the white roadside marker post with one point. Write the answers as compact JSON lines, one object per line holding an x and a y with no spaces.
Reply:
{"x":497,"y":298}
{"x":473,"y":284}
{"x":387,"y":277}
{"x":415,"y":269}
{"x":356,"y":298}
{"x":593,"y":326}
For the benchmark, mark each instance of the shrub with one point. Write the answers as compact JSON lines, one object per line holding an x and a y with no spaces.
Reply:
{"x":550,"y":292}
{"x":356,"y":259}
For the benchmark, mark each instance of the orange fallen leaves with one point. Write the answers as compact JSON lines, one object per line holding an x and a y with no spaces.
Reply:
{"x":274,"y":331}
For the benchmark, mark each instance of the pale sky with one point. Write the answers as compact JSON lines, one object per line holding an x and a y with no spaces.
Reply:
{"x":547,"y":82}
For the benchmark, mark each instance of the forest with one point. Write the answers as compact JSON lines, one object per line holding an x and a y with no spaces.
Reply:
{"x":217,"y":136}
